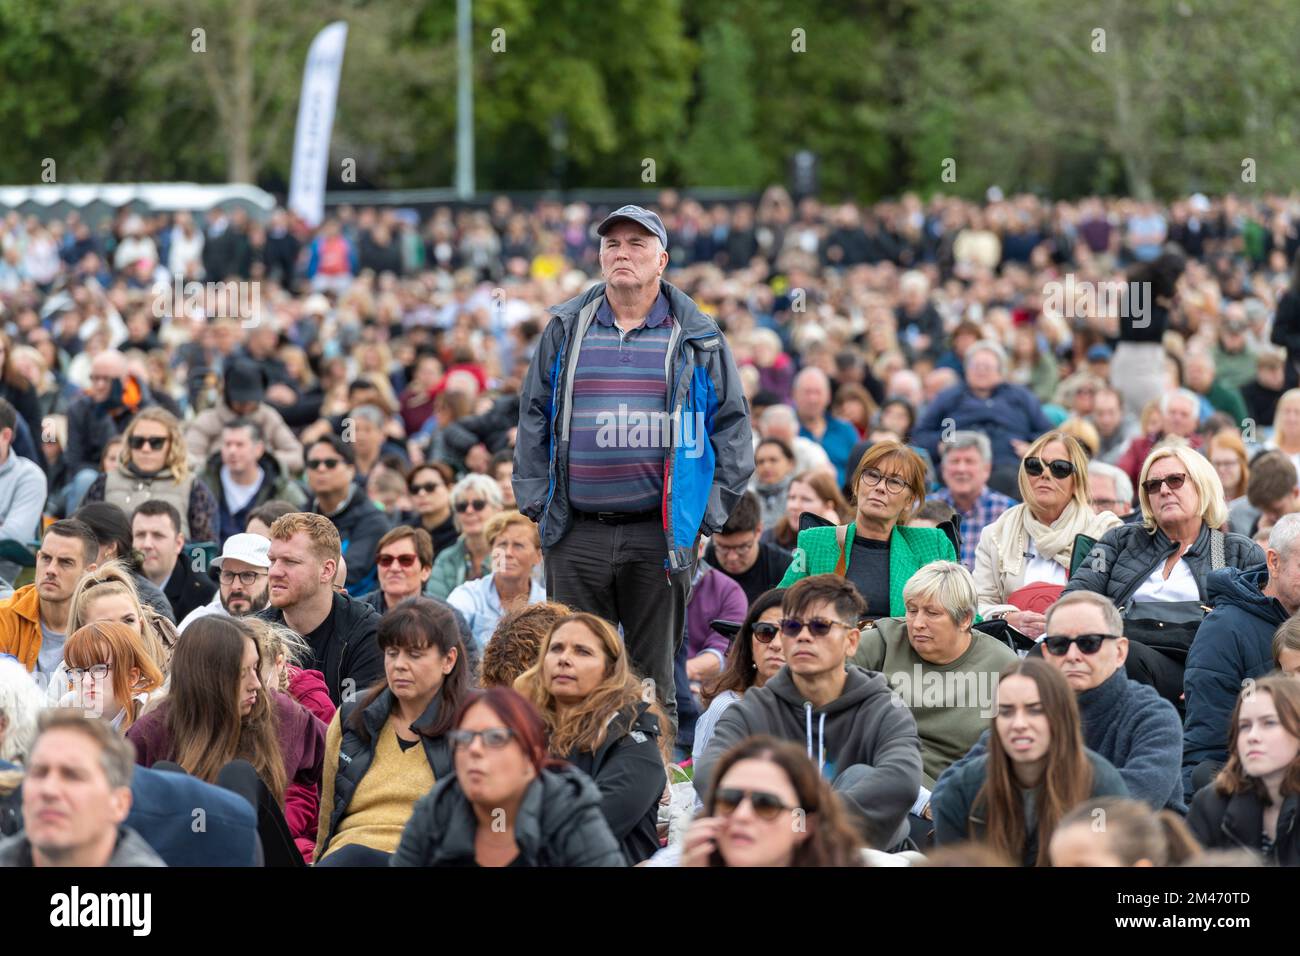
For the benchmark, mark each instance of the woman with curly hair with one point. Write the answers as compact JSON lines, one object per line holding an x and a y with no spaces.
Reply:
{"x":604,"y":721}
{"x":154,"y":465}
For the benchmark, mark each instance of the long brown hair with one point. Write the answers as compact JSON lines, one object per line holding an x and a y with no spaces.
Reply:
{"x":831,"y":841}
{"x":583,"y":728}
{"x":1233,"y":778}
{"x":8,"y":374}
{"x":202,"y":706}
{"x":823,"y":485}
{"x":739,"y":671}
{"x":1067,"y":779}
{"x":103,"y":641}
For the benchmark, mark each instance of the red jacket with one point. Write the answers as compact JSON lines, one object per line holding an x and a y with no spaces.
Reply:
{"x":308,"y":688}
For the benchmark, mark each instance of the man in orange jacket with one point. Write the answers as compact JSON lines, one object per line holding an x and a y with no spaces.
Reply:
{"x":34,"y":620}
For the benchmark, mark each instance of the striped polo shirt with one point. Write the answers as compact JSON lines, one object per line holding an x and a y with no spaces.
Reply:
{"x":618,"y":433}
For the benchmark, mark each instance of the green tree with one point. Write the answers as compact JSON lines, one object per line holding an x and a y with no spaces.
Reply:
{"x":720,"y":149}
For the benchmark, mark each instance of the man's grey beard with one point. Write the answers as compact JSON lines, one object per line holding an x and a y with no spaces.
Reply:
{"x":258,"y":602}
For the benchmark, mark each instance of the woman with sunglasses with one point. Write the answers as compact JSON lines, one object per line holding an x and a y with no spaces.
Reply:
{"x":752,"y":660}
{"x":110,"y":674}
{"x":878,"y":551}
{"x":1035,"y":772}
{"x":430,"y":487}
{"x":599,"y":720}
{"x":509,"y":803}
{"x":387,"y":750}
{"x":769,"y":807}
{"x":475,"y":499}
{"x":154,"y":465}
{"x":1254,"y":802}
{"x":1167,"y":558}
{"x":1033,"y":542}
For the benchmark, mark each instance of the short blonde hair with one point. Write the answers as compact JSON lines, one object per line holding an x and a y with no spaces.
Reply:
{"x":947,"y":583}
{"x":1214,"y":509}
{"x":1073,"y":451}
{"x":510,"y":519}
{"x":325,"y":544}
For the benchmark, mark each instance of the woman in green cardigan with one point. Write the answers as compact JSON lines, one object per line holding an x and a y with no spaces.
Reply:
{"x":877,"y":552}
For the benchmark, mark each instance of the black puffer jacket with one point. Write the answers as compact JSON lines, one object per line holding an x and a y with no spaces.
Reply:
{"x":559,"y":824}
{"x":1126,"y":556}
{"x":344,"y":648}
{"x":629,"y":771}
{"x":1229,"y":823}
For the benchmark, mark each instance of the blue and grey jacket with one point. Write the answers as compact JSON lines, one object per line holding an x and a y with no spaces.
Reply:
{"x":703,"y":386}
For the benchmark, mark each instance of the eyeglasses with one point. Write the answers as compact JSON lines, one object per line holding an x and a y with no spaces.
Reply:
{"x":426,"y":489}
{"x":97,"y":671}
{"x":478,"y":504}
{"x":1061,"y":469}
{"x":1058,"y":645}
{"x":766,"y":806}
{"x":817,"y":627}
{"x":328,"y":464}
{"x":101,"y":378}
{"x":246,"y":578}
{"x":1152,"y":485}
{"x":1110,"y":504}
{"x":893,"y":484}
{"x":734,"y":548}
{"x":156,"y":442}
{"x":404,"y":560}
{"x":765,"y":632}
{"x":494,"y":738}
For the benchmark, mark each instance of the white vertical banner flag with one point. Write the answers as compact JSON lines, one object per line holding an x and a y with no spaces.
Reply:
{"x":311,"y":141}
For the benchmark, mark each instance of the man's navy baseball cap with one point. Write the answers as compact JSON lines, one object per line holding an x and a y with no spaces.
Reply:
{"x":642,"y":217}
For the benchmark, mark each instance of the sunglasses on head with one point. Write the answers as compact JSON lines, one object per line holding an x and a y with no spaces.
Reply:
{"x":478,"y":504}
{"x":325,"y":464}
{"x":404,"y":560}
{"x":1152,"y":485}
{"x":424,"y":489}
{"x":817,"y":627}
{"x":1060,"y":468}
{"x":766,"y":806}
{"x":157,"y":443}
{"x":765,"y":632}
{"x":1058,"y":645}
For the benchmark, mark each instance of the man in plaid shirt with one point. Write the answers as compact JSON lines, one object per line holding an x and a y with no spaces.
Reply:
{"x":967,"y":464}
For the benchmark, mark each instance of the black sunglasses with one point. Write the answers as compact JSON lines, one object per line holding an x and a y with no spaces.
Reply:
{"x":424,"y":489}
{"x":767,"y":806}
{"x":765,"y":632}
{"x":478,"y":504}
{"x":326,"y":464}
{"x":157,"y":443}
{"x":1152,"y":485}
{"x":1061,"y":469}
{"x":1058,"y":645}
{"x":817,"y":627}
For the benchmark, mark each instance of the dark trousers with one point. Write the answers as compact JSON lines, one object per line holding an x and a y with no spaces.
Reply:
{"x":277,"y":840}
{"x":1147,"y":665}
{"x":618,"y":573}
{"x":354,"y":854}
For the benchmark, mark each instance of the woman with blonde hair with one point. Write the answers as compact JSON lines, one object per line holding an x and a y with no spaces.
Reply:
{"x":110,"y":672}
{"x":1166,"y":560}
{"x":603,"y":720}
{"x":154,"y":465}
{"x":1286,"y":426}
{"x":1227,"y":453}
{"x":282,"y":649}
{"x":108,"y":593}
{"x":1033,"y":542}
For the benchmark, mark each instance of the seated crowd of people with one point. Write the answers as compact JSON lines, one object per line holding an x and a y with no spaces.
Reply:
{"x":991,"y":577}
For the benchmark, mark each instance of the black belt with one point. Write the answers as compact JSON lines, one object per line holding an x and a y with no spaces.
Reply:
{"x":618,"y":517}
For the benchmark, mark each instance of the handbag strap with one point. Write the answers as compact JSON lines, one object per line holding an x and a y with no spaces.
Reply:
{"x":841,"y":565}
{"x":1216,"y":549}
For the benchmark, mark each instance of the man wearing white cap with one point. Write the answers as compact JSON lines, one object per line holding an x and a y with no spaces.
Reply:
{"x":244,"y":564}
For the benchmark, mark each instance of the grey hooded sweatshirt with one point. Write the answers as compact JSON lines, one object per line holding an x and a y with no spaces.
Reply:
{"x":864,"y":742}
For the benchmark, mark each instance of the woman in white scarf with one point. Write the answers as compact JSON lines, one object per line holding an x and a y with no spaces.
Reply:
{"x":1031,"y":543}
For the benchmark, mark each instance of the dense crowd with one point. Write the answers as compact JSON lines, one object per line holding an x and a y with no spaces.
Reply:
{"x":776,"y":533}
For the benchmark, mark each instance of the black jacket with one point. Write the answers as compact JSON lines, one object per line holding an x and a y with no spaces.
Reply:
{"x":559,"y":824}
{"x":90,"y":427}
{"x":766,"y":573}
{"x":356,"y":753}
{"x":1125,"y":557}
{"x":1230,"y":823}
{"x":629,"y":771}
{"x":360,"y":525}
{"x":343,"y":648}
{"x":490,"y":428}
{"x":187,"y":589}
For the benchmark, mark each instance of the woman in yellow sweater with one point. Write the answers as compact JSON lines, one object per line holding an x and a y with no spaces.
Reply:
{"x":385,"y":751}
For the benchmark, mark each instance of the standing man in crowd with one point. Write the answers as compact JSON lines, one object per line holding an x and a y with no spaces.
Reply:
{"x":620,"y":519}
